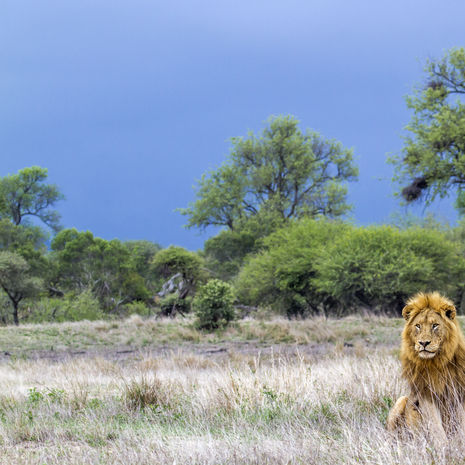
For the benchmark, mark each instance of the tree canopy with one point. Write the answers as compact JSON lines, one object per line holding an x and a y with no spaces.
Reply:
{"x":16,"y":280}
{"x":84,"y":262}
{"x":25,"y":194}
{"x":433,"y":157}
{"x":285,"y":172}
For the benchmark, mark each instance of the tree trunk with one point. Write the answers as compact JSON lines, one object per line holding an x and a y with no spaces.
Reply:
{"x":15,"y":312}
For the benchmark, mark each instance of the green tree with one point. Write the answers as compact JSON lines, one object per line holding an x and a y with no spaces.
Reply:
{"x":173,"y":260}
{"x":16,"y":280}
{"x":142,"y":253}
{"x":285,"y":172}
{"x":282,"y":275}
{"x":25,"y":194}
{"x":378,"y":267}
{"x":180,"y":272}
{"x":87,"y":262}
{"x":226,"y":252}
{"x":433,"y":157}
{"x":332,"y":267}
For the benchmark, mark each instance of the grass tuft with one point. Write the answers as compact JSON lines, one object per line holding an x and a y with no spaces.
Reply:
{"x":143,"y":392}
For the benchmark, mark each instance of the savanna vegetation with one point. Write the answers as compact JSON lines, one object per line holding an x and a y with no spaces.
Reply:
{"x":286,"y":246}
{"x":279,"y":391}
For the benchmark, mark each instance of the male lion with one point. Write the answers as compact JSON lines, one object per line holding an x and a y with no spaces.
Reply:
{"x":433,"y":363}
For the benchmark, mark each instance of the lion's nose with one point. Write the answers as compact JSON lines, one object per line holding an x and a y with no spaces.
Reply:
{"x":424,"y":343}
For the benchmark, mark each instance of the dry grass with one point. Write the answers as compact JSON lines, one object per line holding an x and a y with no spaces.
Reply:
{"x":135,"y":332}
{"x":235,"y":407}
{"x":242,"y":410}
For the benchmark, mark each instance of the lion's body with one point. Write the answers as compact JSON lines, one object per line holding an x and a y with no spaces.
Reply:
{"x":433,"y":363}
{"x":405,"y":413}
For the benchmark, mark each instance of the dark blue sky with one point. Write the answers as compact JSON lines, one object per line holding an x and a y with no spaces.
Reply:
{"x":127,"y":103}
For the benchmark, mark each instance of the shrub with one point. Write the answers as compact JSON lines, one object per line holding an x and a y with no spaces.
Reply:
{"x":282,"y":275}
{"x":213,"y":305}
{"x":323,"y":266}
{"x":138,"y":308}
{"x":83,"y":306}
{"x":181,"y":264}
{"x":379,"y":267}
{"x":174,"y":260}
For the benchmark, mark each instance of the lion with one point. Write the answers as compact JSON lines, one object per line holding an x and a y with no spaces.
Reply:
{"x":433,"y":363}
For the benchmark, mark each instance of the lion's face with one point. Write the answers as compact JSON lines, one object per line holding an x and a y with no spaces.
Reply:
{"x":431,"y":330}
{"x":427,"y":332}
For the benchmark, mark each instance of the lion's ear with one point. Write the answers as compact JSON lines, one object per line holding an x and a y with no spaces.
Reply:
{"x":450,"y":312}
{"x":406,"y":311}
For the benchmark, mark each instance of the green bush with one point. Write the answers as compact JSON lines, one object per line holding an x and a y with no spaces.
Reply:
{"x":213,"y":305}
{"x":226,"y":252}
{"x":282,"y":275}
{"x":379,"y":267}
{"x":83,"y":306}
{"x":174,"y":260}
{"x":137,"y":308}
{"x":335,"y":268}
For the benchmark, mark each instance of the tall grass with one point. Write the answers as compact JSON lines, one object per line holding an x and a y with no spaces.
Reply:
{"x":190,"y":409}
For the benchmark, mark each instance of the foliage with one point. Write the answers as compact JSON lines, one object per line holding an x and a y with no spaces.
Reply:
{"x":226,"y":252}
{"x":141,"y":254}
{"x":138,"y":308}
{"x":16,"y":280}
{"x":282,"y":275}
{"x":213,"y":305}
{"x":25,"y":194}
{"x":87,"y":262}
{"x":27,"y":241}
{"x":285,"y":171}
{"x":73,"y":307}
{"x":322,"y":266}
{"x":433,"y":157}
{"x":175,"y":260}
{"x":379,"y":267}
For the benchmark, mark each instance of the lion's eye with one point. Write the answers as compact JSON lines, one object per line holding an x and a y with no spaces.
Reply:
{"x":435,"y":325}
{"x":417,"y":326}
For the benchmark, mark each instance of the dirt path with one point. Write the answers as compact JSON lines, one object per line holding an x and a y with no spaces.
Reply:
{"x":208,"y":350}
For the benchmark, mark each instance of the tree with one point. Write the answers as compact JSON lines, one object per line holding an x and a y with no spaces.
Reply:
{"x":226,"y":252}
{"x":285,"y":172}
{"x":313,"y":266}
{"x":86,"y":262}
{"x":181,"y":270}
{"x":378,"y":267}
{"x":16,"y":280}
{"x":433,"y":156}
{"x":142,"y":253}
{"x":25,"y":194}
{"x":175,"y":260}
{"x":282,"y":275}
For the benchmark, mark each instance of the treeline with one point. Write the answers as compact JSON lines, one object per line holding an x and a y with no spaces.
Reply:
{"x":280,"y":198}
{"x":308,"y":267}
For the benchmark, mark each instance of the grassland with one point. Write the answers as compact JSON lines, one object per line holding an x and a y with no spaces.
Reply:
{"x":159,"y":392}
